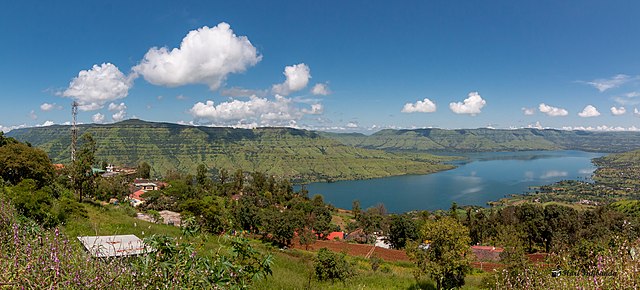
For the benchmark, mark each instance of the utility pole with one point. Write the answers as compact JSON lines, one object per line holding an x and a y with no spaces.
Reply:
{"x":74,"y":130}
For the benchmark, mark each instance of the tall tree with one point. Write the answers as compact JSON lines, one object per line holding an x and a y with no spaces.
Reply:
{"x":143,"y":170}
{"x":401,"y":230}
{"x":82,"y":173}
{"x":447,"y":258}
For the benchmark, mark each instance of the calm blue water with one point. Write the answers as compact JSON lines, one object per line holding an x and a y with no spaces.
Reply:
{"x":483,"y":177}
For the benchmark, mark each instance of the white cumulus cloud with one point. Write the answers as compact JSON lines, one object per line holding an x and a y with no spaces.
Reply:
{"x":528,"y":111}
{"x":97,"y":118}
{"x":552,"y":111}
{"x":618,"y":111}
{"x":636,"y":112}
{"x":610,"y":83}
{"x":321,"y":89}
{"x":589,"y":111}
{"x":471,"y":105}
{"x":424,"y":106}
{"x":9,"y":128}
{"x":101,"y":84}
{"x":316,"y":109}
{"x":280,"y":111}
{"x":297,"y":78}
{"x":47,"y":107}
{"x":120,"y":111}
{"x":205,"y":56}
{"x":352,"y":125}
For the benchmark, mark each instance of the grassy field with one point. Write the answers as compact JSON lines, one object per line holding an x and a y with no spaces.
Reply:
{"x":292,"y":268}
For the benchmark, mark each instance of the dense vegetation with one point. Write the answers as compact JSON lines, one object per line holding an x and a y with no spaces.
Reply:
{"x":590,"y":245}
{"x":284,"y":152}
{"x":478,"y":140}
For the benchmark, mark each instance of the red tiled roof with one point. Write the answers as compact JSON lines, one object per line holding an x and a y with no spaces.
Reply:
{"x":335,"y":235}
{"x":137,"y":194}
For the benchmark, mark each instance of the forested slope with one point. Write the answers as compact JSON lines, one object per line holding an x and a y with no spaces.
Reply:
{"x":283,"y":152}
{"x":477,"y":140}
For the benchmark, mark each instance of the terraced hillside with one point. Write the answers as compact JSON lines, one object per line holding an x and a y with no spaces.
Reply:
{"x":478,"y":140}
{"x":283,"y":152}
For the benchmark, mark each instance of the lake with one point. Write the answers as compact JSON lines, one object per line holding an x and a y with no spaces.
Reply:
{"x":483,"y":177}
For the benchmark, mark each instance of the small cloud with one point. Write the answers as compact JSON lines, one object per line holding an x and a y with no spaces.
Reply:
{"x":352,"y":125}
{"x":241,"y":92}
{"x":160,"y":98}
{"x":589,"y":111}
{"x":424,"y":106}
{"x":618,"y":111}
{"x":552,"y":111}
{"x":120,"y":111}
{"x":528,"y":111}
{"x":297,"y":78}
{"x":636,"y":112}
{"x":316,"y":109}
{"x":48,"y":107}
{"x":321,"y":89}
{"x":33,"y":115}
{"x":537,"y":125}
{"x":471,"y":105}
{"x":631,"y":98}
{"x":97,"y":118}
{"x":181,"y":97}
{"x":6,"y":129}
{"x":610,"y":83}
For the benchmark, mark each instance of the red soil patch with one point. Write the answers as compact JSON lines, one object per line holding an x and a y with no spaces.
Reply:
{"x":359,"y":250}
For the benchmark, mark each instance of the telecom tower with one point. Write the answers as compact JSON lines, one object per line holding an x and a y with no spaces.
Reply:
{"x":74,"y":130}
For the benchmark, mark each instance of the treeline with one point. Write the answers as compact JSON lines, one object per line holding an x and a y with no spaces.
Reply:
{"x":251,"y":202}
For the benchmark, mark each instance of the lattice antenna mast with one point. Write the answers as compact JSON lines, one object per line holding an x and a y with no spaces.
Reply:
{"x":74,"y":129}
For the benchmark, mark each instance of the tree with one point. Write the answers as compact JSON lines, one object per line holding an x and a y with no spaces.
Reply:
{"x":447,"y":258}
{"x":143,"y":170}
{"x":19,"y":161}
{"x":82,"y":174}
{"x":401,"y":230}
{"x":355,"y":208}
{"x":331,"y":266}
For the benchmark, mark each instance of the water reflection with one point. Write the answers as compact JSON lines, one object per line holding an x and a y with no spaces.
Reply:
{"x":483,"y":177}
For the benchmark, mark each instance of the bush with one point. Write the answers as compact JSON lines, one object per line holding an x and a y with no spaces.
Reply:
{"x":332,"y":266}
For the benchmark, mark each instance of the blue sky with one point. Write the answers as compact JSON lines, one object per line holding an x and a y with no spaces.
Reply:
{"x":323,"y":65}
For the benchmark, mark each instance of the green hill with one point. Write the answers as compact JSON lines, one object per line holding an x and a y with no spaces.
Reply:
{"x":477,"y":140}
{"x":283,"y":152}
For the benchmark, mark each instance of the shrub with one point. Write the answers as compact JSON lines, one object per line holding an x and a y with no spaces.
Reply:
{"x":332,"y":266}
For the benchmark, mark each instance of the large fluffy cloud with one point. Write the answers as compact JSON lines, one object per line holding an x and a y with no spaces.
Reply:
{"x":424,"y":106}
{"x":589,"y":111}
{"x":280,"y":111}
{"x":610,"y":83}
{"x":297,"y":78}
{"x":95,"y":87}
{"x":552,"y":111}
{"x":471,"y":105}
{"x":205,"y":56}
{"x":618,"y":111}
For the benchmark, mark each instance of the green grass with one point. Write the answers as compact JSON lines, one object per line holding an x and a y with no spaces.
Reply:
{"x":292,"y":269}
